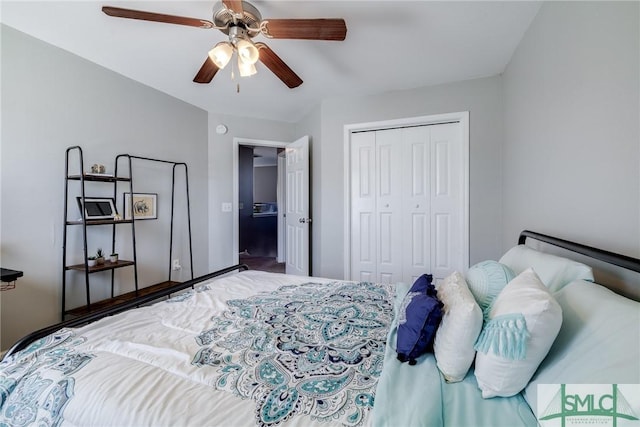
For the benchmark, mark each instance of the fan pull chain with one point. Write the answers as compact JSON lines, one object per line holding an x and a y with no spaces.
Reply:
{"x":233,"y":74}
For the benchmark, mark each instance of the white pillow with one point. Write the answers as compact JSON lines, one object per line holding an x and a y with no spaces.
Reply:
{"x":525,"y":297}
{"x":599,"y":342}
{"x":458,"y":330}
{"x":554,"y":271}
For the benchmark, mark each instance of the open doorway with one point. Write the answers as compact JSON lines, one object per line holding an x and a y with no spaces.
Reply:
{"x":260,"y":202}
{"x":294,"y":221}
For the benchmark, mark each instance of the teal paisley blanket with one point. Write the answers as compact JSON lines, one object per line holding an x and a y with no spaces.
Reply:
{"x":312,"y":349}
{"x":36,"y":389}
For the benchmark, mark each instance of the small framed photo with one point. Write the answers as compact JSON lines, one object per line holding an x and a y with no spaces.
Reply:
{"x":140,"y":206}
{"x":97,"y":207}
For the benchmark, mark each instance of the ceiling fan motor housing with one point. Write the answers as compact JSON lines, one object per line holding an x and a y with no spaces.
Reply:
{"x":250,"y":18}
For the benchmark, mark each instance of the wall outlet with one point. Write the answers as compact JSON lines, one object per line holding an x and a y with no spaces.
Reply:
{"x":175,"y":265}
{"x":226,"y":207}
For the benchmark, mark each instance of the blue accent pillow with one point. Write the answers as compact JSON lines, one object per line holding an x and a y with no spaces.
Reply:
{"x":423,"y":284}
{"x":486,"y":280}
{"x":419,"y":317}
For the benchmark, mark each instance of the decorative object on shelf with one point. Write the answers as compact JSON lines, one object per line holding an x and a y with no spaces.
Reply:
{"x":113,"y":257}
{"x":117,"y":217}
{"x":99,"y":256}
{"x":97,"y":207}
{"x":142,"y":205}
{"x":97,"y":168}
{"x":91,"y":261}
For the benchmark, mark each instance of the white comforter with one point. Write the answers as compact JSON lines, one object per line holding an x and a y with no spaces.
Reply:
{"x":157,"y":366}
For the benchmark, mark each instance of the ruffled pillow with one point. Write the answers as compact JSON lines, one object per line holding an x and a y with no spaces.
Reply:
{"x":459,"y":329}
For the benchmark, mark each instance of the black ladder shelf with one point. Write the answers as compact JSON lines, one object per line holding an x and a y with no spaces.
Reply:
{"x":84,"y":223}
{"x":115,"y":179}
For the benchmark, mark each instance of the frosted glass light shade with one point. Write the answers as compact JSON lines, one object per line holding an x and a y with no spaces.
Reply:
{"x":221,"y":54}
{"x":246,"y":69}
{"x":247,"y":51}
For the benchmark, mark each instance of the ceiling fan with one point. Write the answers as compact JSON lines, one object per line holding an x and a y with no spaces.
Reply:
{"x":241,"y":21}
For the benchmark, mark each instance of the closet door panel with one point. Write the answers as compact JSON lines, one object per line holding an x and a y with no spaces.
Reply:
{"x":363,"y":207}
{"x":389,"y":204}
{"x":415,"y":203}
{"x":446,"y":198}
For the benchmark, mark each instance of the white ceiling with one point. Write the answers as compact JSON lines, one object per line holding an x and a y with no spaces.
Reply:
{"x":390,"y":45}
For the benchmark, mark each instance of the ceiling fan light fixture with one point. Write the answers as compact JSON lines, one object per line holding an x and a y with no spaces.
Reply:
{"x":221,"y":54}
{"x":246,"y":69}
{"x":247,"y":51}
{"x":241,"y":22}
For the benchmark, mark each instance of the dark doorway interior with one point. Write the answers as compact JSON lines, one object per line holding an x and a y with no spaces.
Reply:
{"x":258,"y":209}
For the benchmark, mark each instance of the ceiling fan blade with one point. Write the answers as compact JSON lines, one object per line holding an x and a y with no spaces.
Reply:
{"x":306,"y":29}
{"x":278,"y":67}
{"x":206,"y":72}
{"x":156,"y":17}
{"x":235,"y":5}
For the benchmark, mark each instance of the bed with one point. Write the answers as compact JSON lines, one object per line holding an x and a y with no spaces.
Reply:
{"x":254,"y":348}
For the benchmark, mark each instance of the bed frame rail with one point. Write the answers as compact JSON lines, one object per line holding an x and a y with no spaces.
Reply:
{"x":138,"y":301}
{"x":623,"y":261}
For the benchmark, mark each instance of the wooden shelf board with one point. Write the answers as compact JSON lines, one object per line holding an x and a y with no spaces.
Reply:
{"x":101,"y":222}
{"x":108,"y":265}
{"x":99,"y":178}
{"x":119,"y":299}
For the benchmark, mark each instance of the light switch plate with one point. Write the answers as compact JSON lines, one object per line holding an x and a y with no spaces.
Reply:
{"x":226,"y":207}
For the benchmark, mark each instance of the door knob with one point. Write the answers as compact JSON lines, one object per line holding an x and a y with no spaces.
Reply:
{"x":305,"y":220}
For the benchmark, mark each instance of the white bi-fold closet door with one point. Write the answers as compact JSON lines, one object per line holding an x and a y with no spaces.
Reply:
{"x":407,"y":203}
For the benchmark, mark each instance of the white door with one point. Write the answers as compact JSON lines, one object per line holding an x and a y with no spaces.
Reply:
{"x":407,"y":203}
{"x":389,"y":206}
{"x":416,"y":203}
{"x":364,"y":258}
{"x":297,"y":207}
{"x":447,"y":200}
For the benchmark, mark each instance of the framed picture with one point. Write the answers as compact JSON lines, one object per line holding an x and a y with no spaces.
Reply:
{"x":97,"y":207}
{"x":142,"y":205}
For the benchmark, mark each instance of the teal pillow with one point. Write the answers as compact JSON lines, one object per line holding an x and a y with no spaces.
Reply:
{"x":486,"y":279}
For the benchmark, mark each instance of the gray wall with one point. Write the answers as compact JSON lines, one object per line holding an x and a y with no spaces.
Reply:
{"x":265,"y":179}
{"x":51,"y":100}
{"x":571,"y":159}
{"x":481,"y":97}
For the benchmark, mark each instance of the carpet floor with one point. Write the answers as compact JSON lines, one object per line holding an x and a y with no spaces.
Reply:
{"x":262,"y":263}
